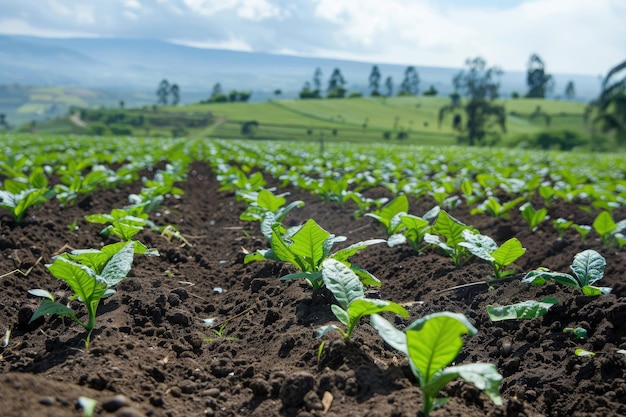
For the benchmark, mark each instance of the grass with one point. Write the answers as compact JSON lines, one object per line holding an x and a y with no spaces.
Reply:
{"x":360,"y":119}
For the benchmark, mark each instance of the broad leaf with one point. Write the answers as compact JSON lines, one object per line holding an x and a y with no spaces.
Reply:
{"x":540,"y":276}
{"x":394,"y":337}
{"x":344,"y":254}
{"x":484,"y":376}
{"x":509,"y":252}
{"x":342,"y":315}
{"x":588,"y":267}
{"x":603,"y":224}
{"x":269,"y":201}
{"x":366,"y":306}
{"x":525,"y":310}
{"x":52,"y":307}
{"x":342,"y":282}
{"x":80,"y":278}
{"x":119,"y":265}
{"x":435,"y":340}
{"x":308,"y":243}
{"x":479,"y":245}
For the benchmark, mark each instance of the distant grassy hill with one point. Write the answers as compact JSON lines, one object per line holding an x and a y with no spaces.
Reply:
{"x":407,"y":119}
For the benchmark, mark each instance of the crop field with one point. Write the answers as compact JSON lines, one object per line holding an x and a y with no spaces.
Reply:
{"x":204,"y":277}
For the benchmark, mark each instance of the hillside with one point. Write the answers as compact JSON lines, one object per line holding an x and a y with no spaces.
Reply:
{"x":398,"y":119}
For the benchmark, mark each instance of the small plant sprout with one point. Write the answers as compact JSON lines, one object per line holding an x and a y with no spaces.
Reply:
{"x":525,"y":310}
{"x":561,"y":225}
{"x":307,"y":247}
{"x":219,"y":334}
{"x":20,"y":194}
{"x":609,"y":231}
{"x":583,"y":230}
{"x":588,"y":267}
{"x":486,"y":248}
{"x":451,"y":230}
{"x":88,"y":405}
{"x":492,"y":207}
{"x":170,"y":232}
{"x":91,"y":274}
{"x":263,"y":202}
{"x":350,"y":295}
{"x":389,"y":214}
{"x":121,"y":223}
{"x":533,"y":217}
{"x":433,"y":342}
{"x":579,"y":332}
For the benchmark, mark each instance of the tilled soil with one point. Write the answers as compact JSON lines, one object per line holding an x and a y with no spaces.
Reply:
{"x":152,"y":347}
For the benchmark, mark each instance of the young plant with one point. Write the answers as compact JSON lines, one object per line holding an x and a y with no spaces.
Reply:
{"x":349,"y":292}
{"x":264,"y":202}
{"x":583,"y":230}
{"x":91,"y":274}
{"x":451,"y":230}
{"x":307,"y":247}
{"x":588,"y":267}
{"x":609,"y":231}
{"x":492,"y":207}
{"x":20,"y":194}
{"x":389,"y":214}
{"x":121,"y":223}
{"x":486,"y":248}
{"x":433,"y":342}
{"x":363,"y":203}
{"x":533,"y":217}
{"x":219,"y":334}
{"x":561,"y":225}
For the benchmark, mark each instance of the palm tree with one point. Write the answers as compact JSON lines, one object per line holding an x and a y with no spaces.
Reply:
{"x":609,"y":109}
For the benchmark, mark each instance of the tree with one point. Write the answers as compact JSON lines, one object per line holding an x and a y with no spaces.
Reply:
{"x":217,"y":89}
{"x":411,"y":84}
{"x":374,"y":81}
{"x":335,"y":85}
{"x":431,"y":92}
{"x":162,"y":92}
{"x":306,"y":92}
{"x":539,"y":83}
{"x":570,"y":91}
{"x":3,"y":121}
{"x":278,"y":92}
{"x":317,"y":79}
{"x":608,"y":111}
{"x":233,"y":96}
{"x":480,"y":86}
{"x":389,"y":86}
{"x":175,"y":92}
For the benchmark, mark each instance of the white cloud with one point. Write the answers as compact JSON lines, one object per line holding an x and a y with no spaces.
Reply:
{"x":20,"y":27}
{"x":232,"y":44}
{"x":246,"y":9}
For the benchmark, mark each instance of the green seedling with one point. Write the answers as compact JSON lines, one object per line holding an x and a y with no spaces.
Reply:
{"x":579,"y":332}
{"x":486,"y":248}
{"x":583,"y":230}
{"x":219,"y":333}
{"x":122,"y":223}
{"x":88,"y":405}
{"x":525,"y":310}
{"x":561,"y":225}
{"x":493,"y":208}
{"x":307,"y":247}
{"x":91,"y":274}
{"x":171,"y":232}
{"x":450,"y":230}
{"x":583,"y":352}
{"x":264,"y":203}
{"x":588,"y":267}
{"x":320,"y":350}
{"x":609,"y":231}
{"x":350,"y":296}
{"x":389,"y":215}
{"x":363,"y":203}
{"x":533,"y":217}
{"x":433,"y":342}
{"x":20,"y":194}
{"x":235,"y":179}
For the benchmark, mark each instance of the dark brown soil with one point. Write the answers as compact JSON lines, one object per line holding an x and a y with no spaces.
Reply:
{"x":150,"y":343}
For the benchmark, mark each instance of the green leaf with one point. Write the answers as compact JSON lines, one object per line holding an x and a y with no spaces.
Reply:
{"x":588,"y":266}
{"x":88,"y":405}
{"x":269,"y":201}
{"x":450,"y":228}
{"x":80,"y":278}
{"x":38,"y":292}
{"x":509,"y":252}
{"x":344,"y":254}
{"x":579,"y":332}
{"x":308,"y":243}
{"x":281,"y":249}
{"x":342,"y":315}
{"x":484,"y":376}
{"x":604,"y":224}
{"x":583,"y":352}
{"x":394,"y":337}
{"x":435,"y":340}
{"x":539,"y":277}
{"x":342,"y":282}
{"x":52,"y":307}
{"x":366,"y":277}
{"x":479,"y":245}
{"x":525,"y":310}
{"x":119,"y":265}
{"x":365,"y":307}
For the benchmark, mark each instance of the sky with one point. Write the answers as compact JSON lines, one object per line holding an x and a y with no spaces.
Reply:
{"x":571,"y":36}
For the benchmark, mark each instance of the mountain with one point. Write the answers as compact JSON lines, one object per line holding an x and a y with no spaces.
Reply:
{"x":140,"y":64}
